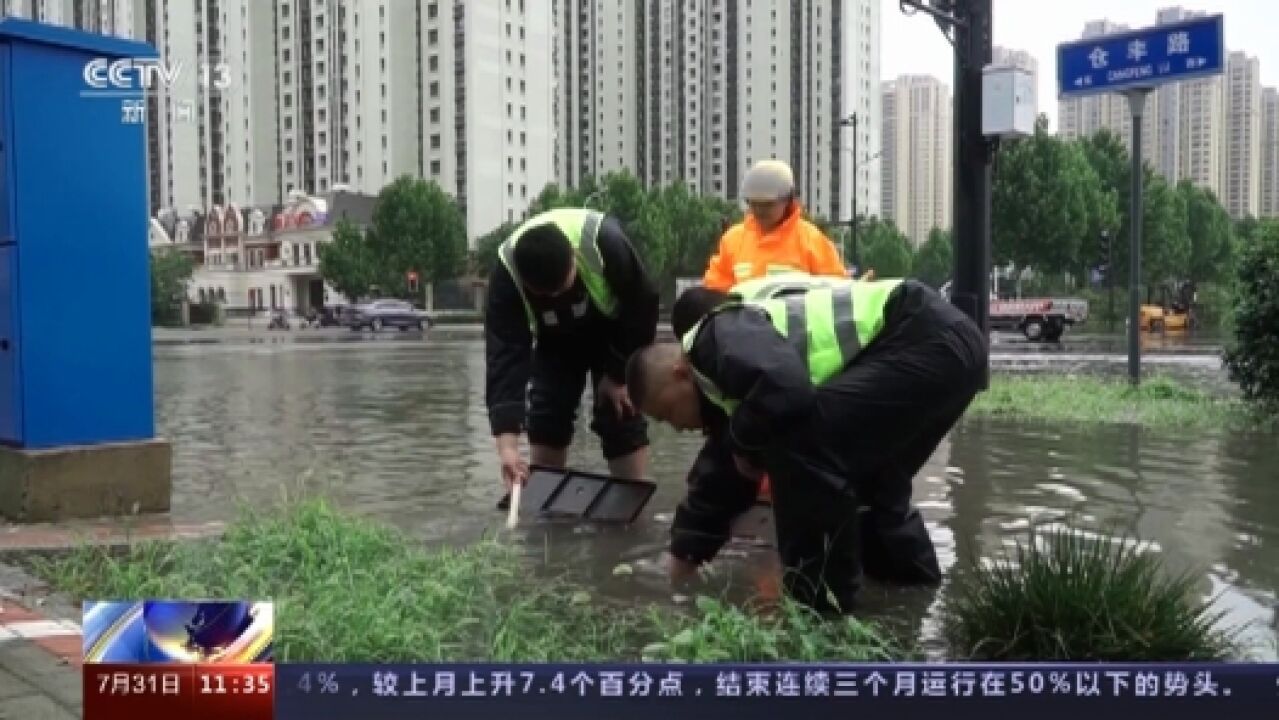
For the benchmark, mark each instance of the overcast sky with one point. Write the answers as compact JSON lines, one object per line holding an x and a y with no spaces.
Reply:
{"x":914,"y":44}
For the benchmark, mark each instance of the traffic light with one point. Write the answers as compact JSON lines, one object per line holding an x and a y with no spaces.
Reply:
{"x":1103,"y":247}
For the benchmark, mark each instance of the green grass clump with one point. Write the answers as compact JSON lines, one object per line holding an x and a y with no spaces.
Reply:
{"x":351,"y":590}
{"x":1066,"y":596}
{"x":789,"y":632}
{"x":1158,"y":402}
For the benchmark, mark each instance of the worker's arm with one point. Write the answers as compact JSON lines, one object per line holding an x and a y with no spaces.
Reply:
{"x":824,"y":256}
{"x":717,"y":494}
{"x":719,"y":271}
{"x":508,"y":346}
{"x":636,"y":323}
{"x":749,"y":361}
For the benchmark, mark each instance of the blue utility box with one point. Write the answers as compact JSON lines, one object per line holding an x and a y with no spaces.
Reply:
{"x":75,"y":321}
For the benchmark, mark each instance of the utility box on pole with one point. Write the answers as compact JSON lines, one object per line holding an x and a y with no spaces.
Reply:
{"x":77,"y":419}
{"x":1008,"y":102}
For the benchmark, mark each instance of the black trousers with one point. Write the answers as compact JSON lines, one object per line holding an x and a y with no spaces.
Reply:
{"x":555,"y":394}
{"x":842,"y":486}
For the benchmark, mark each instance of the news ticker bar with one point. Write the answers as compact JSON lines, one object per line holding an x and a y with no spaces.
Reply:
{"x":570,"y":691}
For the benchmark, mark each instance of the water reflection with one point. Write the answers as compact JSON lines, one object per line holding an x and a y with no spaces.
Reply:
{"x":397,"y":431}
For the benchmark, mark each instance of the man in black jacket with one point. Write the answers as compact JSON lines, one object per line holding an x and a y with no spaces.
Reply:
{"x":840,"y":392}
{"x":569,"y":298}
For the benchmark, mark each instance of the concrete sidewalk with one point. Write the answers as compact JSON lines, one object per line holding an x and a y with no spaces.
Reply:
{"x":41,"y":642}
{"x":40,"y":666}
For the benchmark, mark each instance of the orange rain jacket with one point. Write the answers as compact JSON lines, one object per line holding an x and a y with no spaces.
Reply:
{"x":746,"y":253}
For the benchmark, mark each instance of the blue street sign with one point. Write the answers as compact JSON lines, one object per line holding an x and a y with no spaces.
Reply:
{"x":1143,"y":58}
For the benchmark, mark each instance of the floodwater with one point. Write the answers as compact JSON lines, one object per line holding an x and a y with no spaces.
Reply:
{"x":396,"y":429}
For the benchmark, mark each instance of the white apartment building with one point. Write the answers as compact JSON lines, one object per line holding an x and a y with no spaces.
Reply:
{"x":698,"y":91}
{"x":245,"y":168}
{"x":1191,"y":123}
{"x":917,"y":155}
{"x":498,"y":106}
{"x":1241,"y":186}
{"x":55,"y":12}
{"x":328,"y":93}
{"x":455,"y":92}
{"x":1269,"y":152}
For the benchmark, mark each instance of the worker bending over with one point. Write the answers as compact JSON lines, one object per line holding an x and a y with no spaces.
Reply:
{"x":840,"y":391}
{"x":774,"y":237}
{"x":569,"y":298}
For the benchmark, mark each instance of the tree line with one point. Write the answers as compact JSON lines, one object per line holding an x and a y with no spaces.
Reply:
{"x":418,"y":228}
{"x":1053,"y":201}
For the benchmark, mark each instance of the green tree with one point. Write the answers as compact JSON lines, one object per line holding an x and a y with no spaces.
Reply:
{"x":621,"y":195}
{"x":1046,"y":201}
{"x":1165,"y":242}
{"x":347,"y":262}
{"x":553,"y":196}
{"x":416,"y":227}
{"x":935,"y":262}
{"x":485,"y":257}
{"x":1165,"y":245}
{"x":171,"y":271}
{"x":884,"y":249}
{"x":1211,"y":235}
{"x":1247,"y":228}
{"x":1253,"y":360}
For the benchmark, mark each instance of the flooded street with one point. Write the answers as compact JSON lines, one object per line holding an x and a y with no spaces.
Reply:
{"x":396,"y":430}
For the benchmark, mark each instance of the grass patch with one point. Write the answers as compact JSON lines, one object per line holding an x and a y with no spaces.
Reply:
{"x":1157,"y":402}
{"x":1071,"y":597}
{"x":350,"y":590}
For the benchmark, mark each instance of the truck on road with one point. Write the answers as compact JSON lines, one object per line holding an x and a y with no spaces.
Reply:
{"x":1039,"y":319}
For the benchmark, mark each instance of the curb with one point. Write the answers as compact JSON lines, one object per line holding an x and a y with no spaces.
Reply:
{"x":43,"y":537}
{"x":62,"y":639}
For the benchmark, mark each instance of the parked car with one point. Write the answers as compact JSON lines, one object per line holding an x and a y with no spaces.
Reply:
{"x":386,"y":313}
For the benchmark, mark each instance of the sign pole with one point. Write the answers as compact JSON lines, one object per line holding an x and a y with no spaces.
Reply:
{"x":1133,"y":64}
{"x":1137,"y":104}
{"x":1110,"y":276}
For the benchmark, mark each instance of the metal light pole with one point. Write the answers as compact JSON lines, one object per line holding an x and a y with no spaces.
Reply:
{"x":851,"y":121}
{"x":967,"y":26}
{"x":1137,"y":104}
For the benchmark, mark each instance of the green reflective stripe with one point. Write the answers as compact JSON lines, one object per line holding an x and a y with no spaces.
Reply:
{"x":827,"y":325}
{"x":506,"y":253}
{"x":591,"y":265}
{"x":587,"y":248}
{"x":705,"y":384}
{"x":581,"y":227}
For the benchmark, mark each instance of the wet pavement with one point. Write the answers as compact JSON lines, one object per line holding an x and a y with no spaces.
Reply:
{"x":395,"y":428}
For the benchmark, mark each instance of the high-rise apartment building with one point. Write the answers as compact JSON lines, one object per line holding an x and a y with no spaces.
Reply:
{"x":917,"y":155}
{"x":1241,"y":186}
{"x":696,"y":92}
{"x":455,"y":92}
{"x":1191,"y":123}
{"x":1269,"y":152}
